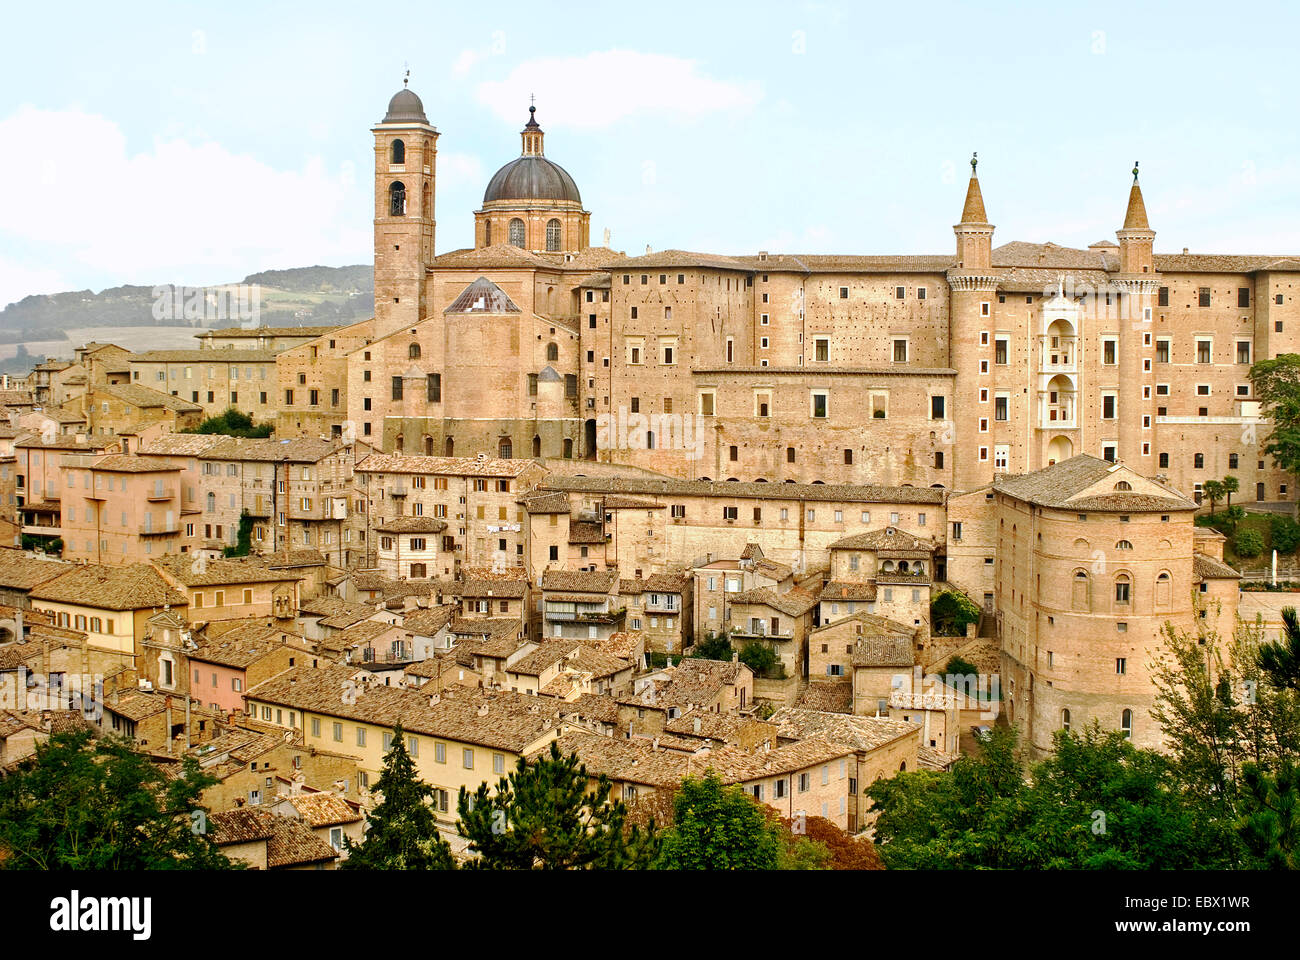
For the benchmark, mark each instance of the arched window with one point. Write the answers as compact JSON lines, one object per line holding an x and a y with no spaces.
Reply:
{"x":504,"y":449}
{"x":1124,"y":545}
{"x":397,"y":199}
{"x":537,"y":446}
{"x":413,"y":351}
{"x":1065,"y":720}
{"x":212,"y":503}
{"x":552,"y":353}
{"x":553,"y":235}
{"x":902,"y":767}
{"x":568,"y":448}
{"x":1123,"y":485}
{"x":1126,"y":723}
{"x":516,"y":232}
{"x":1081,"y":592}
{"x":398,"y":154}
{"x":1198,"y":461}
{"x":449,"y":447}
{"x":1163,"y":585}
{"x":487,"y":233}
{"x":401,"y":442}
{"x":428,"y":445}
{"x":1123,"y":589}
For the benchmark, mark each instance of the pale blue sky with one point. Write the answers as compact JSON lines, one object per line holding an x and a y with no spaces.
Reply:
{"x":196,"y":143}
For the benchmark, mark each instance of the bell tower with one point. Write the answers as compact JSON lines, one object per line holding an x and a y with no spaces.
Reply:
{"x":406,"y":154}
{"x":1136,"y":284}
{"x":972,"y":285}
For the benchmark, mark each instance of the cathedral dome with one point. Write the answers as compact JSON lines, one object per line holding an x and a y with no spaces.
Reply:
{"x":532,"y":178}
{"x":405,"y":107}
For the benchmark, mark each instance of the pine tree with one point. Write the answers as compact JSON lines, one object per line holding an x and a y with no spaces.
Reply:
{"x":401,"y":833}
{"x":543,"y":817}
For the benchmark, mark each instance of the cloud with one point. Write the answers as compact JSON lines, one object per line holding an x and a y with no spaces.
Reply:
{"x":179,"y":211}
{"x":18,"y":280}
{"x":600,"y":89}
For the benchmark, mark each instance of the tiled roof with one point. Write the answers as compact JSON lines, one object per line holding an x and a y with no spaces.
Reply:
{"x":256,"y":332}
{"x":541,"y":503}
{"x":18,"y":571}
{"x":864,"y":493}
{"x":445,"y":466}
{"x":243,"y":646}
{"x":289,"y":842}
{"x":335,"y":612}
{"x":580,"y":581}
{"x":592,"y":706}
{"x":483,"y":296}
{"x":205,"y":355}
{"x":145,"y":398}
{"x":848,"y":590}
{"x":296,"y":449}
{"x":426,"y":623}
{"x":829,"y":696}
{"x":1062,"y":484}
{"x":411,"y":525}
{"x":498,"y":719}
{"x":325,"y":809}
{"x":125,"y":463}
{"x":180,"y":444}
{"x":194,"y":572}
{"x":586,"y":531}
{"x":794,"y":603}
{"x":655,"y":583}
{"x":480,"y":589}
{"x":886,"y":538}
{"x":860,"y":733}
{"x":133,"y":586}
{"x":888,"y":646}
{"x":1208,"y":568}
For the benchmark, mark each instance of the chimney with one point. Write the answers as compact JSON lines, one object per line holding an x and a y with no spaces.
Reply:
{"x":697,"y":725}
{"x":654,"y":744}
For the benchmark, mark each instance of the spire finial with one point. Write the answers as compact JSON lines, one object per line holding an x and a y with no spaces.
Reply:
{"x":1135,"y":171}
{"x":406,"y":77}
{"x":974,"y":162}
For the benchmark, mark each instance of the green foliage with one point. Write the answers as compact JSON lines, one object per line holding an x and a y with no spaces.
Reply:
{"x":244,"y":540}
{"x":82,"y":803}
{"x":543,"y":817}
{"x":959,"y":667}
{"x":401,"y":831}
{"x":1248,"y":543}
{"x":1277,"y":387}
{"x":1279,"y":661}
{"x":950,"y":611}
{"x":1230,"y":486}
{"x":232,"y":423}
{"x":1284,"y":532}
{"x":1270,"y":816}
{"x":762,"y":659}
{"x":1097,"y":802}
{"x":717,"y":827}
{"x":1214,"y":492}
{"x":712,"y":647}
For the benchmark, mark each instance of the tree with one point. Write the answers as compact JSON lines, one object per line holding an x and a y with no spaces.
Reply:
{"x":1277,"y":387}
{"x":1230,"y":486}
{"x":760,"y":658}
{"x":1096,"y":802}
{"x":1280,"y":660}
{"x":846,"y":852}
{"x":544,"y":817}
{"x":401,"y":831}
{"x":1284,"y":533}
{"x":950,"y":611}
{"x":1270,"y":822}
{"x":232,"y":423}
{"x":1214,"y":492}
{"x":1248,"y":543}
{"x":960,"y":667}
{"x":81,"y":803}
{"x":717,"y":827}
{"x":712,"y":647}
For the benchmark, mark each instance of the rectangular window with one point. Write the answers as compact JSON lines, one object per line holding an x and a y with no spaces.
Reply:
{"x":1203,"y":298}
{"x":936,"y":408}
{"x":397,"y":388}
{"x":1203,"y":351}
{"x":820,"y":404}
{"x":900,"y":351}
{"x":1162,"y":297}
{"x":1243,"y":351}
{"x":1001,"y":402}
{"x":1000,"y":346}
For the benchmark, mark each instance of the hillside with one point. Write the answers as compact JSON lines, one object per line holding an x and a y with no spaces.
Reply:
{"x":303,"y":296}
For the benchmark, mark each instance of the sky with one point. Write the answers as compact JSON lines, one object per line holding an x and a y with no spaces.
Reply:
{"x":196,"y":143}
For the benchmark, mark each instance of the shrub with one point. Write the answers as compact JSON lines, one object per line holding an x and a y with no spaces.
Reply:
{"x":1285,"y":533}
{"x":1248,"y":543}
{"x":760,"y":658}
{"x":950,"y":611}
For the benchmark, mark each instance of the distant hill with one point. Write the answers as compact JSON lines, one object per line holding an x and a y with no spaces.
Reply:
{"x":302,"y":296}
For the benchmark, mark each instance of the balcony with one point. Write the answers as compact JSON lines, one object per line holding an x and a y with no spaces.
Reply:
{"x":156,"y":494}
{"x":163,"y":530}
